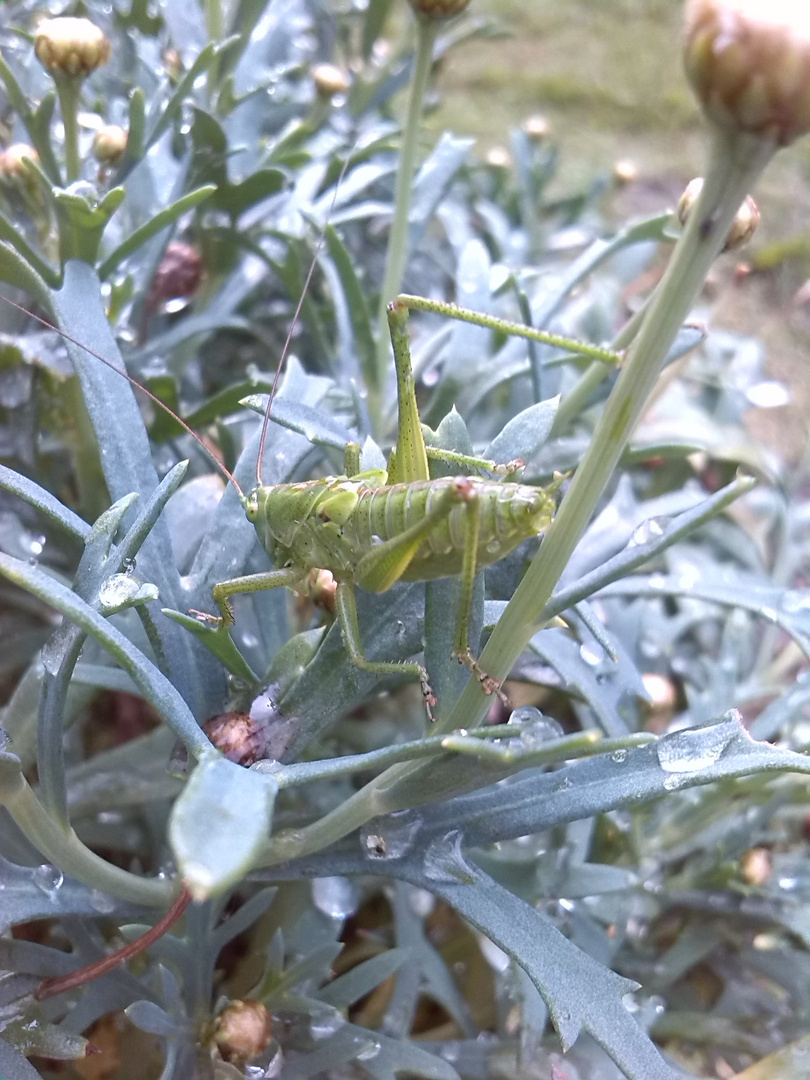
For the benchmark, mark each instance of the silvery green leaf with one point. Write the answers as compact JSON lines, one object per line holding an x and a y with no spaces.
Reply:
{"x":43,"y":892}
{"x":150,"y":1018}
{"x":524,"y":434}
{"x":219,"y":825}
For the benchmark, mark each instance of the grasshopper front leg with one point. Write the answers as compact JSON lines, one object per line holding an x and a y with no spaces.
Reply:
{"x":287,"y":577}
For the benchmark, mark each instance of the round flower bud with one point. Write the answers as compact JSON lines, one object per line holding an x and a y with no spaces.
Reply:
{"x":625,"y":171}
{"x":749,"y":63}
{"x":439,"y":9}
{"x":322,"y":590}
{"x":109,"y":144}
{"x":237,"y":736}
{"x":329,"y":80}
{"x":499,"y":158}
{"x":242,"y":1031}
{"x":12,"y":161}
{"x":755,"y":866}
{"x":537,"y":127}
{"x":71,"y":46}
{"x":179,"y":273}
{"x":742,"y":228}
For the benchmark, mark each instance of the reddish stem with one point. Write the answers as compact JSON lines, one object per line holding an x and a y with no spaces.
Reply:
{"x":51,"y":987}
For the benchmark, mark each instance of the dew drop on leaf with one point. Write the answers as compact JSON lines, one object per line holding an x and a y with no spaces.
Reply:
{"x":335,"y":896}
{"x":48,"y":879}
{"x":693,"y":749}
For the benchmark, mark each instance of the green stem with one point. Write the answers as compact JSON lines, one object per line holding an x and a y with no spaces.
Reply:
{"x":398,"y":240}
{"x":214,"y":25}
{"x":64,"y":849}
{"x":69,"y":89}
{"x":736,"y":161}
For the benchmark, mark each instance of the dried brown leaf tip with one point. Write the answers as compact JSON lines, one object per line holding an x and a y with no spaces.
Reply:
{"x":71,"y":46}
{"x":749,"y":62}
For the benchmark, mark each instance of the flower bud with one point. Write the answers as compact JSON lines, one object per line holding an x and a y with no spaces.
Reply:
{"x":537,"y":127}
{"x":321,"y":588}
{"x":755,"y":866}
{"x":109,"y":144}
{"x":242,"y":1031}
{"x":625,"y":171}
{"x":439,"y":9}
{"x":749,"y":63}
{"x":742,"y":228}
{"x":179,"y":273}
{"x":237,"y":736}
{"x":12,"y":161}
{"x":329,"y":80}
{"x":71,"y":46}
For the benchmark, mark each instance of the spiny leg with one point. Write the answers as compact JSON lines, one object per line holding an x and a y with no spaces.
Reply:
{"x":461,"y":649}
{"x":287,"y":577}
{"x":350,"y":626}
{"x":508,"y":470}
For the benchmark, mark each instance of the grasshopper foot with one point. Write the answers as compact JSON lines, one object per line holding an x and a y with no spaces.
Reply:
{"x":203,"y":616}
{"x":428,"y":695}
{"x":488,"y":684}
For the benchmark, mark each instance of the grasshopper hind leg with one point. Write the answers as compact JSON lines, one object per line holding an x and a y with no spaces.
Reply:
{"x":346,"y":604}
{"x":461,"y":649}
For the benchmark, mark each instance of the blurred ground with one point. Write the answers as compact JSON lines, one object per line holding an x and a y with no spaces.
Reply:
{"x":607,"y":75}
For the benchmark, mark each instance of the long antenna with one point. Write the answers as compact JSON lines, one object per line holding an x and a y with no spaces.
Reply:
{"x":316,"y":255}
{"x":143,"y":389}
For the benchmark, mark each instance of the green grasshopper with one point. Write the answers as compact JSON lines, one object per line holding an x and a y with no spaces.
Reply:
{"x":373,"y":528}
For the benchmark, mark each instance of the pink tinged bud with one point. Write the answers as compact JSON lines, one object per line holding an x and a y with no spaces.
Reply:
{"x":179,"y":273}
{"x":71,"y":46}
{"x":749,"y":63}
{"x":242,"y":1031}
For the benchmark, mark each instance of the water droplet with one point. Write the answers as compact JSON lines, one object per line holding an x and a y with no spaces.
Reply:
{"x":795,"y":601}
{"x":788,"y":883}
{"x":675,"y":780}
{"x":768,"y":395}
{"x":128,"y":566}
{"x":335,"y":896}
{"x":589,"y":655}
{"x":48,"y":879}
{"x":117,"y":590}
{"x":535,"y":728}
{"x":657,"y":581}
{"x":324,"y":1023}
{"x":368,"y":1051}
{"x":444,"y":859}
{"x":646,"y":531}
{"x":101,"y":901}
{"x":693,"y":749}
{"x":619,"y":756}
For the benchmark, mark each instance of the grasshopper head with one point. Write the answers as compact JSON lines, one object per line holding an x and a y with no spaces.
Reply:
{"x":250,"y":504}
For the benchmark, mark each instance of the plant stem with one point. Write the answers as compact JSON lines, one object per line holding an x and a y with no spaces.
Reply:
{"x":736,"y":161}
{"x":398,"y":239}
{"x":64,"y":849}
{"x":69,"y":88}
